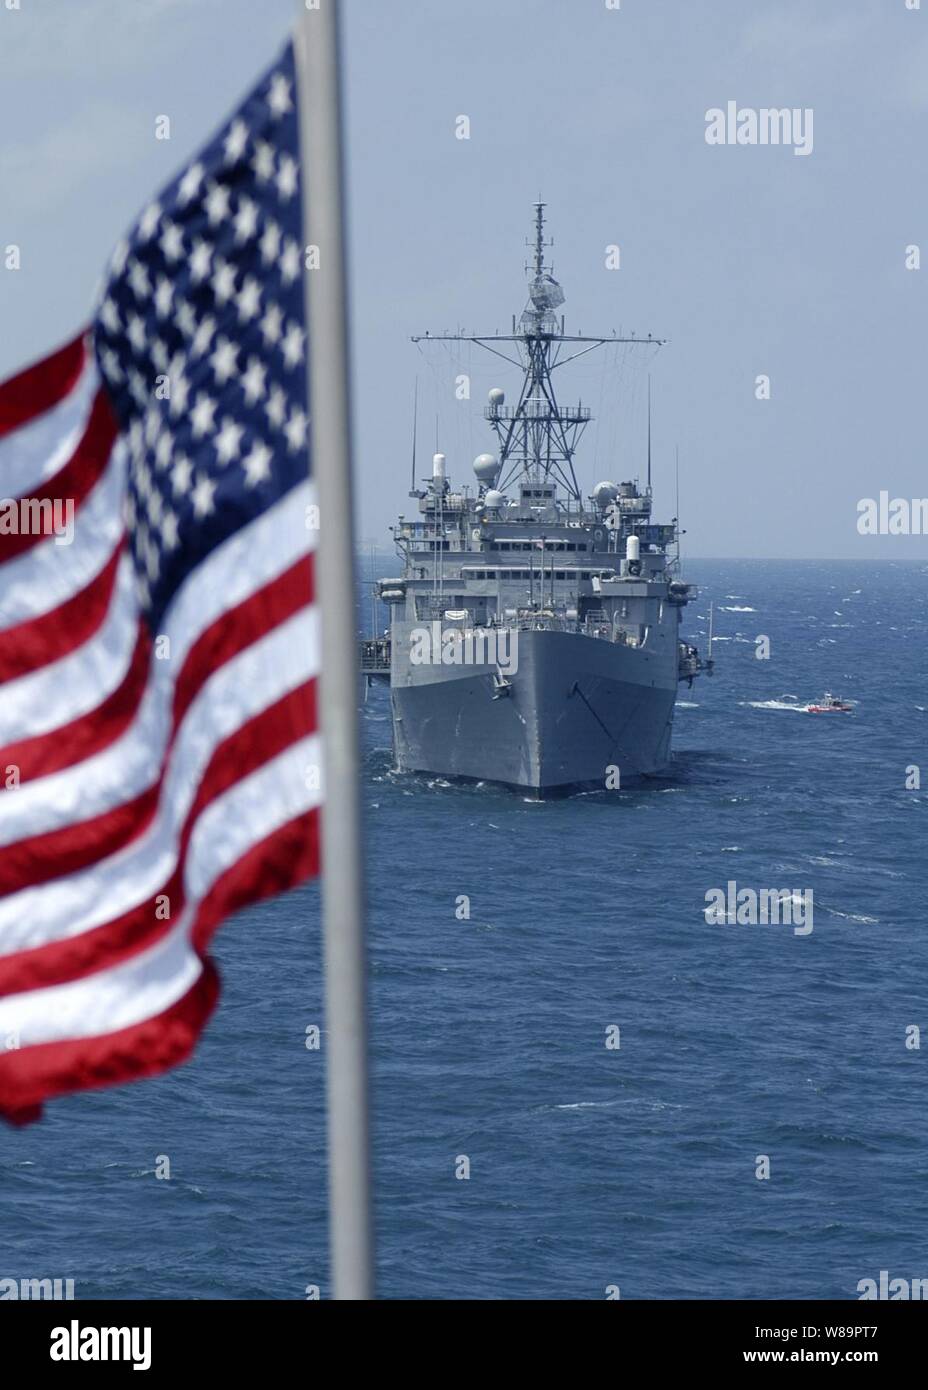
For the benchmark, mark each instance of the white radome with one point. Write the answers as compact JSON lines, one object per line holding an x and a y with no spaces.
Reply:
{"x":486,"y":467}
{"x":604,"y":494}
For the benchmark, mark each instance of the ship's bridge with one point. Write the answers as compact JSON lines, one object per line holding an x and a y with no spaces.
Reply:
{"x":537,"y":492}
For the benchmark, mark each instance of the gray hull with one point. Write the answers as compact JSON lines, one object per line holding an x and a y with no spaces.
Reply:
{"x":576,"y":708}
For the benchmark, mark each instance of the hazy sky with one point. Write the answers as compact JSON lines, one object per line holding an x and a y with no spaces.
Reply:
{"x":751,"y":260}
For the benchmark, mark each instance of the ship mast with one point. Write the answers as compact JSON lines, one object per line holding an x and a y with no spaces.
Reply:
{"x":538,"y":436}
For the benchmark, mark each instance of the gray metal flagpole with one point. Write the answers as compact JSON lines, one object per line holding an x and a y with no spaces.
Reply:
{"x":351,"y":1241}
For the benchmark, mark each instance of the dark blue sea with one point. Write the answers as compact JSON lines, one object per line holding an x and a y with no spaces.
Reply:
{"x":590,"y":1166}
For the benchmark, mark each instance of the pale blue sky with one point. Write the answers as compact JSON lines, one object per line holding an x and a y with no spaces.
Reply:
{"x":750,"y":260}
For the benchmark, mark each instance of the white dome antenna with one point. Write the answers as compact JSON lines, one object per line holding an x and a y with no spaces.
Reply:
{"x":486,"y":467}
{"x":604,"y":494}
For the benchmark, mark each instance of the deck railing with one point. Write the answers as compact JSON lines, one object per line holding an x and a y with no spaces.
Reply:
{"x":375,"y":656}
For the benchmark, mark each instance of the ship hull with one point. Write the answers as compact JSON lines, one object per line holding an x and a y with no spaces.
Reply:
{"x":578,"y":712}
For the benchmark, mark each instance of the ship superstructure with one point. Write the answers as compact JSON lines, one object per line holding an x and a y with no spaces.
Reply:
{"x":534,"y":633}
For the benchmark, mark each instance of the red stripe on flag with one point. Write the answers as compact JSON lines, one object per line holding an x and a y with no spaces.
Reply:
{"x":31,"y":1075}
{"x":40,"y":387}
{"x":57,"y":852}
{"x":36,"y":1074}
{"x":74,"y":481}
{"x":273,"y":866}
{"x":40,"y":641}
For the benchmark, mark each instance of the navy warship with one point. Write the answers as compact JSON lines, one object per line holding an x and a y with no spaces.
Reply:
{"x":534,"y":634}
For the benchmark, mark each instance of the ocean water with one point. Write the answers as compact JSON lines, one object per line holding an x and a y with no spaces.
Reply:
{"x":589,"y":1167}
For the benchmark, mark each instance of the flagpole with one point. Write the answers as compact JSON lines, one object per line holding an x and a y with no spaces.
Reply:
{"x":351,"y":1239}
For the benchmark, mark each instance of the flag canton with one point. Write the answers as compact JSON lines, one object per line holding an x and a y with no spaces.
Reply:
{"x":200,"y":337}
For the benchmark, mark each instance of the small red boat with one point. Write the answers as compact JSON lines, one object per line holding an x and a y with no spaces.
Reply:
{"x":830,"y":704}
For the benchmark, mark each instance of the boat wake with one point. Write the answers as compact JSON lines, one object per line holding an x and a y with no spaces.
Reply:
{"x":787,"y":704}
{"x":790,"y":702}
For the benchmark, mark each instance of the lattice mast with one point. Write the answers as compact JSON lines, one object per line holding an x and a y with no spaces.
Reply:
{"x":538,"y":437}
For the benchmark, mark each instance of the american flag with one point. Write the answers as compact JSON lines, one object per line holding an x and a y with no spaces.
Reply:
{"x":159,"y":755}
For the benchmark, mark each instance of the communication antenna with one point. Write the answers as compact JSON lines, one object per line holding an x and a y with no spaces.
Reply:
{"x":415,"y":421}
{"x":372,"y":584}
{"x":649,"y":432}
{"x":677,"y":475}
